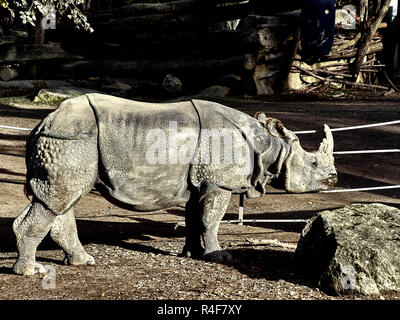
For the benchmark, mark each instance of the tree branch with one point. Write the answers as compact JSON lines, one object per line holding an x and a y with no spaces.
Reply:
{"x":370,"y":27}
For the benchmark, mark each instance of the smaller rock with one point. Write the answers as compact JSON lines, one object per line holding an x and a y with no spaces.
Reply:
{"x":172,"y":84}
{"x":57,"y":95}
{"x":119,"y":86}
{"x":215,"y":91}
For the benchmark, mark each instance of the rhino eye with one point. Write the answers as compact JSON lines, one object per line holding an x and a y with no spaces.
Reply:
{"x":314,"y":163}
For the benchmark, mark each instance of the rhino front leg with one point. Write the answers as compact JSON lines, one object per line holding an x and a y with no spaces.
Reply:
{"x":64,"y":232}
{"x":30,"y":227}
{"x":214,"y":204}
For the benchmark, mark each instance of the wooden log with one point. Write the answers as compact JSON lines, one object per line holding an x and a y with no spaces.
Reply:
{"x":154,"y":68}
{"x":193,"y":18}
{"x":187,"y":43}
{"x":382,"y":25}
{"x":7,"y":74}
{"x":141,"y":9}
{"x":224,"y":10}
{"x":331,"y":73}
{"x":171,"y":7}
{"x":262,"y":35}
{"x":263,"y":7}
{"x":160,"y":23}
{"x":31,"y":84}
{"x":7,"y":40}
{"x":349,"y":43}
{"x":330,"y":80}
{"x":373,"y":47}
{"x":35,"y":53}
{"x":267,"y":37}
{"x":390,"y":81}
{"x":119,"y":28}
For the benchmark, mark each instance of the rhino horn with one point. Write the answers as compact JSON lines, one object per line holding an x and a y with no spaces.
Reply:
{"x":326,"y":144}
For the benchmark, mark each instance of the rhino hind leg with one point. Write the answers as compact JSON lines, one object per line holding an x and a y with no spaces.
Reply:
{"x":30,"y":227}
{"x":59,"y":174}
{"x":64,"y":232}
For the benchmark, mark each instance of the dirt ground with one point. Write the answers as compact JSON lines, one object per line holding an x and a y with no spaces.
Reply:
{"x":137,"y":254}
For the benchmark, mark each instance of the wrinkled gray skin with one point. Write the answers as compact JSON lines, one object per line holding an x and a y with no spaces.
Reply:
{"x":99,"y":140}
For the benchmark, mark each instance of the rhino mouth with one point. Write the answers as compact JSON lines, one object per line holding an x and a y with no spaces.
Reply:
{"x":279,"y":182}
{"x":330,"y":182}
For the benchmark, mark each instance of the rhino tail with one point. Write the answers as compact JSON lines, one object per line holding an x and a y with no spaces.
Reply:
{"x":28,"y":151}
{"x":27,"y":190}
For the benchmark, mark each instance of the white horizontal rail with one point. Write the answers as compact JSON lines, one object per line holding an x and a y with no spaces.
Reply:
{"x":353,"y":127}
{"x":265,"y":221}
{"x":241,"y":221}
{"x":367,"y":151}
{"x":14,"y":128}
{"x":362,"y":189}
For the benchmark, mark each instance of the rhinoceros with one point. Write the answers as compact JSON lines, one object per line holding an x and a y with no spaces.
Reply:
{"x":151,"y":156}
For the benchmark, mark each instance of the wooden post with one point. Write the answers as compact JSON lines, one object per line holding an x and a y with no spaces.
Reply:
{"x":241,"y":209}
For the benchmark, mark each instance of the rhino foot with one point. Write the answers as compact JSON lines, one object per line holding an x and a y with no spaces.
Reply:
{"x":192,"y":252}
{"x":219,"y":256}
{"x":79,"y":259}
{"x":28,"y":268}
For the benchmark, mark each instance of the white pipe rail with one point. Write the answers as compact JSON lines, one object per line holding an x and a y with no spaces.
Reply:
{"x":264,"y":221}
{"x":14,"y":128}
{"x":362,"y":189}
{"x":367,"y":151}
{"x":353,"y":127}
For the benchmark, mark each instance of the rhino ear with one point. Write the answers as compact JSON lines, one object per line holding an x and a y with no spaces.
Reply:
{"x":260,"y":116}
{"x":277,"y":129}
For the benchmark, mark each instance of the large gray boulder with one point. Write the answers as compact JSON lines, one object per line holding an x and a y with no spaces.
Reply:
{"x":353,"y":250}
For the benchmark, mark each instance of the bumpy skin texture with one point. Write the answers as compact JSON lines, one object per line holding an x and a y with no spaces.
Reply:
{"x":102,"y":140}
